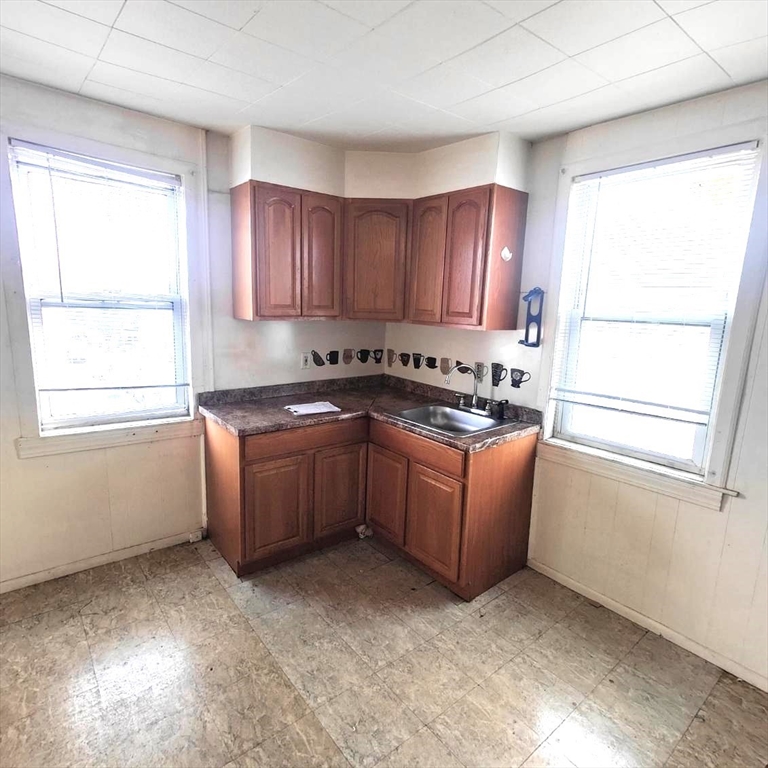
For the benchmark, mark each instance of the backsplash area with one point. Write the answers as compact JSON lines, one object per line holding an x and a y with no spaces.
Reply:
{"x":469,"y":347}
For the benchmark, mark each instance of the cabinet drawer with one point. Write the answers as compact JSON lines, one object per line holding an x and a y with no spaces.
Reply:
{"x":420,"y":449}
{"x":304,"y":439}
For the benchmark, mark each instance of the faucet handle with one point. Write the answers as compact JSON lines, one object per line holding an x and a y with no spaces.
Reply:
{"x":460,"y":398}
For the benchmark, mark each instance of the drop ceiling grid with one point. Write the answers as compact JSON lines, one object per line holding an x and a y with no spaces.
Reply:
{"x":387,"y":74}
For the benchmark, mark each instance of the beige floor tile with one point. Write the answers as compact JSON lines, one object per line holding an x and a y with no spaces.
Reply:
{"x":540,"y":699}
{"x":104,"y":578}
{"x":393,"y":581}
{"x":324,"y":670}
{"x":225,"y":658}
{"x":39,"y":598}
{"x":547,"y":756}
{"x":117,"y":607}
{"x":613,"y":634}
{"x":515,"y":578}
{"x":160,"y":561}
{"x":355,"y":557}
{"x":483,"y":735}
{"x":206,"y":550}
{"x":733,"y":702}
{"x":221,"y":570}
{"x":673,"y":666}
{"x":291,"y":630}
{"x":470,"y":606}
{"x":263,"y":593}
{"x":179,"y":586}
{"x":186,"y":738}
{"x":424,"y":750}
{"x":383,"y":546}
{"x":210,"y":614}
{"x":430,"y":610}
{"x":255,"y":708}
{"x":572,"y":658}
{"x":477,"y":654}
{"x":368,"y":722}
{"x":380,"y":639}
{"x":514,"y":621}
{"x":307,"y":568}
{"x":339,"y":600}
{"x":545,"y":595}
{"x":426,"y":682}
{"x":590,"y":738}
{"x":305,"y":744}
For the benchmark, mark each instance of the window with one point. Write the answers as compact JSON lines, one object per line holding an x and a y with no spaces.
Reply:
{"x":101,"y":257}
{"x":653,"y":257}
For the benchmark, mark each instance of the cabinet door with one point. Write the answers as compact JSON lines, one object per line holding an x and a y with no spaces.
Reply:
{"x":374,"y":253}
{"x":278,"y":251}
{"x":465,"y":256}
{"x":277,"y":505}
{"x":339,"y":488}
{"x":433,"y":532}
{"x":321,"y":256}
{"x":425,"y":275}
{"x":387,"y":486}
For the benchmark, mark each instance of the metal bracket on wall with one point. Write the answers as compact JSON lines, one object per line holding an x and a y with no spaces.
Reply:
{"x":533,"y":318}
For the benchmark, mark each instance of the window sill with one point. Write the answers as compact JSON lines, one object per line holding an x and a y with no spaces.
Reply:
{"x":110,"y":436}
{"x":668,"y":482}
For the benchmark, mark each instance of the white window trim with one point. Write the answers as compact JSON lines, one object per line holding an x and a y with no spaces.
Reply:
{"x":200,"y":333}
{"x":738,"y":342}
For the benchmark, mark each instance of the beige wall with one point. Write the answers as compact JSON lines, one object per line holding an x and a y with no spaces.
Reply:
{"x":697,"y":575}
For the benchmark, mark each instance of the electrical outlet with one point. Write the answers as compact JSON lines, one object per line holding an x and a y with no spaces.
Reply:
{"x":304,"y":360}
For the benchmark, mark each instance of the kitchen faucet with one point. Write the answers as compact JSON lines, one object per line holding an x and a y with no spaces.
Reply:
{"x":473,"y":372}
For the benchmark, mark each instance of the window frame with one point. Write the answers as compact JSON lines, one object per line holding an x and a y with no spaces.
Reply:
{"x":737,"y":342}
{"x":182,"y":155}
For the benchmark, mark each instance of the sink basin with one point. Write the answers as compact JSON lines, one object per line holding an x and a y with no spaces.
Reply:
{"x":449,"y":421}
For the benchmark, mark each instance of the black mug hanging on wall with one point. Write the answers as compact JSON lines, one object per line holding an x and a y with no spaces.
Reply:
{"x":517,"y":377}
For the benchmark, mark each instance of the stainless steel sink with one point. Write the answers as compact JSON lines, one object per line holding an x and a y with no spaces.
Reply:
{"x":449,"y":421}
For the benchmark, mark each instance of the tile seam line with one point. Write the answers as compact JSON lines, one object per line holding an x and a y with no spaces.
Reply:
{"x":101,"y":50}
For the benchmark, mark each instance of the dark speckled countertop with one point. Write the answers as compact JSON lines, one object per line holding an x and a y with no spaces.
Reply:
{"x":378,"y":399}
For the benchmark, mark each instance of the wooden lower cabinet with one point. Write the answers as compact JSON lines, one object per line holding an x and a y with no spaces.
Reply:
{"x":387,"y":488}
{"x":340,"y":488}
{"x":433,"y":523}
{"x":278,"y":504}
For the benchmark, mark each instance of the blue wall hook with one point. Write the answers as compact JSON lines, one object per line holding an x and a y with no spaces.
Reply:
{"x":533,"y":319}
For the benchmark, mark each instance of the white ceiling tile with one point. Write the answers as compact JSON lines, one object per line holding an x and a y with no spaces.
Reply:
{"x":443,"y":85}
{"x":682,"y":80}
{"x":103,"y":11}
{"x":261,"y":59}
{"x":132,"y":52}
{"x":123,"y":98}
{"x":228,"y":82}
{"x":355,"y":121}
{"x":136,"y":82}
{"x":744,"y":62}
{"x":317,"y":93}
{"x":305,"y":26}
{"x":385,"y":59}
{"x":444,"y":28}
{"x":396,"y":138}
{"x":723,"y":23}
{"x":577,"y":25}
{"x":31,"y":59}
{"x":233,"y":13}
{"x":678,"y":6}
{"x":517,"y":10}
{"x":53,"y":25}
{"x":510,"y":56}
{"x":653,"y":46}
{"x":170,"y":25}
{"x":368,"y":12}
{"x":493,"y":106}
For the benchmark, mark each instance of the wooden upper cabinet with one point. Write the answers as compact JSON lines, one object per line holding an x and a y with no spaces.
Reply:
{"x":465,"y":256}
{"x":321,"y":255}
{"x":278,"y":505}
{"x":278,"y":251}
{"x":433,"y":528}
{"x":425,"y":275}
{"x":375,"y":244}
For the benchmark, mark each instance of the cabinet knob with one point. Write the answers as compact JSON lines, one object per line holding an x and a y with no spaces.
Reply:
{"x":506,"y":254}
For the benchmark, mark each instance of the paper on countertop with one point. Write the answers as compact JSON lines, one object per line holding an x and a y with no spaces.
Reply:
{"x":309,"y":408}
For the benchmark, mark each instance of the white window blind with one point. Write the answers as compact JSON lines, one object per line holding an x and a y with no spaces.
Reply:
{"x":101,"y":256}
{"x":653,"y":256}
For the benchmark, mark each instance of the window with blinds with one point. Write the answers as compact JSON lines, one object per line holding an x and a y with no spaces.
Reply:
{"x":101,"y":248}
{"x":653,"y":257}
